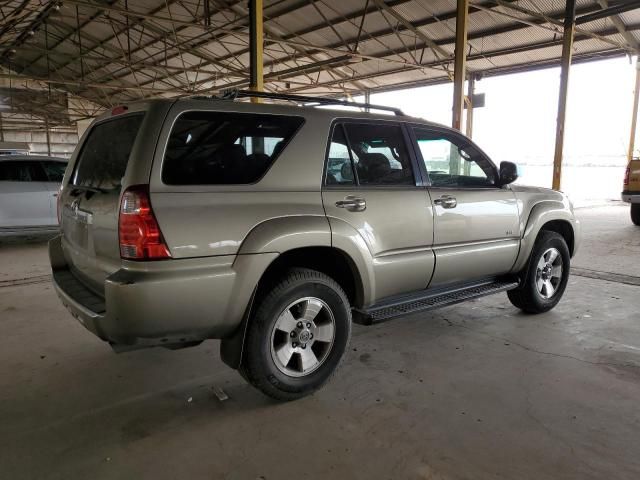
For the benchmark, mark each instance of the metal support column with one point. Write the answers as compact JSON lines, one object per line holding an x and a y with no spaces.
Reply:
{"x":565,"y":66}
{"x":256,"y":47}
{"x":46,"y":126}
{"x":471,"y":86}
{"x":460,"y":63}
{"x":367,"y":99}
{"x":634,"y":113}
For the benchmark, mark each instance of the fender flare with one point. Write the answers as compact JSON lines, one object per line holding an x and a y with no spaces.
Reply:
{"x":277,"y":236}
{"x":280,"y":234}
{"x":262,"y":245}
{"x":348,"y":240}
{"x":541,"y":213}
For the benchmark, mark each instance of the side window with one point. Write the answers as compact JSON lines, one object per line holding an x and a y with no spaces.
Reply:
{"x":15,"y":171}
{"x":369,"y":154}
{"x":339,"y":167}
{"x":452,"y":162}
{"x":381,"y":156}
{"x":223,"y":148}
{"x":54,"y":171}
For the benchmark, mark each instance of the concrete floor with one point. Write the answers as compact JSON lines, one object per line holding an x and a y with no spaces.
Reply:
{"x":474,"y":391}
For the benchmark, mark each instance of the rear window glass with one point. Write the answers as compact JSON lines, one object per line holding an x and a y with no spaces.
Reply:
{"x":220,"y":148}
{"x":105,"y":154}
{"x":16,"y":171}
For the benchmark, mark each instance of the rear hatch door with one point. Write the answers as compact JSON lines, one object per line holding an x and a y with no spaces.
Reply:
{"x":90,"y":201}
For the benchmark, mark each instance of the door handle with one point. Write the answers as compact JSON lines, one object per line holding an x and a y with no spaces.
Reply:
{"x":446,"y":201}
{"x":353,"y":204}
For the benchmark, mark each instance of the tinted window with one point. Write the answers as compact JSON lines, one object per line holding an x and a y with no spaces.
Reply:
{"x":54,"y":170}
{"x":380,"y":154}
{"x":453,"y":161}
{"x":339,"y":169}
{"x":218,"y":148}
{"x":16,"y":171}
{"x":105,"y":154}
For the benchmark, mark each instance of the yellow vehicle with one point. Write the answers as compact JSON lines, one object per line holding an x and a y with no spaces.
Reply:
{"x":631,"y":189}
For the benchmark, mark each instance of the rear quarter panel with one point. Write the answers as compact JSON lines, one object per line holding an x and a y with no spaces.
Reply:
{"x":206,"y":220}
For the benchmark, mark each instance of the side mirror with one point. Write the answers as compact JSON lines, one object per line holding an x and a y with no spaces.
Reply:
{"x":508,"y":173}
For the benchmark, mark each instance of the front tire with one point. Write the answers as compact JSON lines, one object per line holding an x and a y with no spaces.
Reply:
{"x":546,"y":277}
{"x":297,"y":336}
{"x":635,"y":213}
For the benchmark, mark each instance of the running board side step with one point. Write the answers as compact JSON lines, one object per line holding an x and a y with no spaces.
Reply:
{"x":429,"y":300}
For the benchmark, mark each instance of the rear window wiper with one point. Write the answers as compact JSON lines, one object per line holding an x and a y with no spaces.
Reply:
{"x":89,"y":189}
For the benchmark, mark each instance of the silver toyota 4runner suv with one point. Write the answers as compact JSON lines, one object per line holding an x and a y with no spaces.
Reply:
{"x":275,"y":226}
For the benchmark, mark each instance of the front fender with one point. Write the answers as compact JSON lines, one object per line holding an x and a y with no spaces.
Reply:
{"x":540,"y":214}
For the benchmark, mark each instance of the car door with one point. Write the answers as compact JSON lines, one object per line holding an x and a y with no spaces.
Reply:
{"x":24,"y":197}
{"x":371,"y":196}
{"x":476,"y":222}
{"x":54,"y":171}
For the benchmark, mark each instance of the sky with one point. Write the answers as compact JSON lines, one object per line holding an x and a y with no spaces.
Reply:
{"x":519,"y":120}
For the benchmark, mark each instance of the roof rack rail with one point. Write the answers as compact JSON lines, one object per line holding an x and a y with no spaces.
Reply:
{"x":233,"y":94}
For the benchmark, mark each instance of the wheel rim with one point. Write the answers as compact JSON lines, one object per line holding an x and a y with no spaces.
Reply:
{"x":302,"y":337}
{"x":549,"y":273}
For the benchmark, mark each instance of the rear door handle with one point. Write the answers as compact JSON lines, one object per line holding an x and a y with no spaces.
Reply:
{"x":446,"y":201}
{"x":353,"y":204}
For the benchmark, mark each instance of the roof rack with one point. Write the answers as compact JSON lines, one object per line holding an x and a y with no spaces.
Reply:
{"x":233,"y":94}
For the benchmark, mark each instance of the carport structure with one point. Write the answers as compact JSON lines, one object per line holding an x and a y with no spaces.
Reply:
{"x":99,"y":54}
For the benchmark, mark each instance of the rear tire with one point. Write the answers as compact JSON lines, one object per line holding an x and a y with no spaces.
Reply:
{"x":297,"y":336}
{"x":635,"y":213}
{"x":547,"y":274}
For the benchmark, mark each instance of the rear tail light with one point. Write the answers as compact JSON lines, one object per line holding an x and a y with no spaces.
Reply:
{"x":627,"y":172}
{"x":140,"y":235}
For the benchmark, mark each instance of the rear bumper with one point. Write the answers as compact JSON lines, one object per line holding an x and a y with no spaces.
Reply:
{"x":631,"y":196}
{"x":162,"y":303}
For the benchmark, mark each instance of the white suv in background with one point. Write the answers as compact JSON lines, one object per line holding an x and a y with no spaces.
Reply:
{"x":28,"y":191}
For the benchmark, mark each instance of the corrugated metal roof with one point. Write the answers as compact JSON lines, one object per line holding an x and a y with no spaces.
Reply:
{"x":107,"y":54}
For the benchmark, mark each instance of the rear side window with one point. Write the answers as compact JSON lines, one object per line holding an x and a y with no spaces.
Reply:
{"x":368,"y":154}
{"x":16,"y":171}
{"x":105,"y":154}
{"x":219,"y":148}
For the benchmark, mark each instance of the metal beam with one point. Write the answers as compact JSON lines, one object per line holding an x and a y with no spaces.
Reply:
{"x":565,"y":67}
{"x":437,"y":49}
{"x":460,"y":65}
{"x":98,"y":85}
{"x":609,"y":11}
{"x":487,"y":55}
{"x":622,"y":28}
{"x":551,"y":20}
{"x":634,"y":113}
{"x":286,"y":39}
{"x":30,"y":29}
{"x":282,"y":74}
{"x":256,"y":45}
{"x":332,"y":49}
